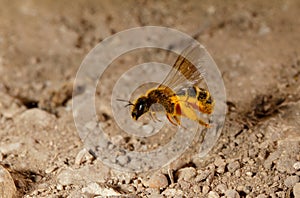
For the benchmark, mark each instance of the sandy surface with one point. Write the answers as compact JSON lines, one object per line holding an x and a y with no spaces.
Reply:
{"x":256,"y":47}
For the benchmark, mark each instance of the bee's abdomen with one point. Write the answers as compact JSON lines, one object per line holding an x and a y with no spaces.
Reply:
{"x":197,"y":97}
{"x":194,"y":92}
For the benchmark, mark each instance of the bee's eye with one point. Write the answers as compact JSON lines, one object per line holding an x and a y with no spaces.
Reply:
{"x":141,"y":107}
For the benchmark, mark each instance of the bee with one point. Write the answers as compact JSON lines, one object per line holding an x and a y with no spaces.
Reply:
{"x":178,"y":94}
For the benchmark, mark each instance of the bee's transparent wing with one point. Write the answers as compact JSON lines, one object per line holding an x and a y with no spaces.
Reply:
{"x":184,"y":73}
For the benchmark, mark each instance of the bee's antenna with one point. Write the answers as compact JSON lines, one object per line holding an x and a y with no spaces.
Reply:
{"x":129,"y":103}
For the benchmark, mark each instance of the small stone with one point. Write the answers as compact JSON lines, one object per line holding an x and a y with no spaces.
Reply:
{"x":7,"y":185}
{"x":205,"y":189}
{"x":291,"y":181}
{"x":221,"y":188}
{"x":297,"y":166}
{"x":240,"y":188}
{"x":83,"y":156}
{"x":202,"y":175}
{"x":232,"y":194}
{"x":213,"y":194}
{"x":96,"y":173}
{"x":219,"y":162}
{"x":248,"y":173}
{"x":220,"y":169}
{"x":186,"y":173}
{"x":96,"y":189}
{"x":296,"y":190}
{"x":233,"y":166}
{"x":172,"y":192}
{"x":238,"y":173}
{"x":261,"y":196}
{"x":157,"y":180}
{"x":264,"y":29}
{"x":122,"y":160}
{"x":153,"y":193}
{"x":59,"y":187}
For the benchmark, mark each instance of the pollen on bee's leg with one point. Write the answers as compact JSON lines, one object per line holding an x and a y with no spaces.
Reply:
{"x":177,"y":120}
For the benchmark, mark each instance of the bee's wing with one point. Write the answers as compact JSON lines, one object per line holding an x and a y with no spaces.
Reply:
{"x":184,"y":73}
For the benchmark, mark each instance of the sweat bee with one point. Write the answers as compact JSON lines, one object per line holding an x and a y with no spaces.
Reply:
{"x":179,"y":93}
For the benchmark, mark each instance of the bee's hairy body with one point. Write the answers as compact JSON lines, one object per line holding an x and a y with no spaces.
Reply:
{"x":182,"y":103}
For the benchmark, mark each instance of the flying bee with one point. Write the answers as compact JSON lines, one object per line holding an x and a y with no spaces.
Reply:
{"x":179,"y":93}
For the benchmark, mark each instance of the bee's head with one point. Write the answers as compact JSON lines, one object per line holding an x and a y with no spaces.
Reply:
{"x":140,"y":107}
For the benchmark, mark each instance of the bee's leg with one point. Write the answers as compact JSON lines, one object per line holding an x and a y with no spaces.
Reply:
{"x":177,"y":120}
{"x":203,"y":123}
{"x":171,"y":119}
{"x":191,"y":114}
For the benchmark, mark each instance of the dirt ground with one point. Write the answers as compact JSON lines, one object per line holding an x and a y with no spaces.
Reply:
{"x":255,"y":45}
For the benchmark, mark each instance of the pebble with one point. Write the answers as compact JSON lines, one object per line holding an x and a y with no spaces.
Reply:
{"x":7,"y":185}
{"x":83,"y":156}
{"x":213,"y":194}
{"x":264,"y":29}
{"x":297,"y":166}
{"x":296,"y":190}
{"x":248,"y":173}
{"x":232,"y":194}
{"x":83,"y":175}
{"x":172,"y":192}
{"x":186,"y":173}
{"x":59,"y":187}
{"x":202,"y":175}
{"x":205,"y":189}
{"x":233,"y":166}
{"x":261,"y":196}
{"x":219,"y":162}
{"x":96,"y":189}
{"x":157,"y":180}
{"x":221,"y":188}
{"x":291,"y":181}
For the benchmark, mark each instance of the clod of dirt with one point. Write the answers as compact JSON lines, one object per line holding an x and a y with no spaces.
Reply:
{"x":7,"y":185}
